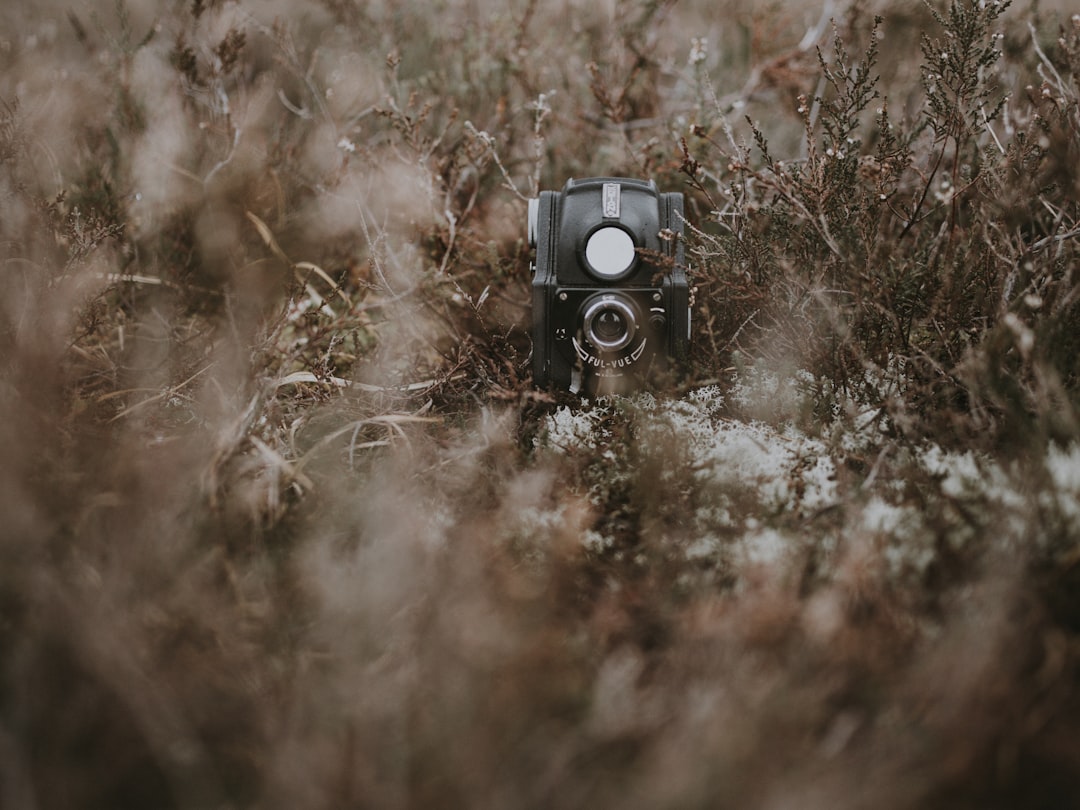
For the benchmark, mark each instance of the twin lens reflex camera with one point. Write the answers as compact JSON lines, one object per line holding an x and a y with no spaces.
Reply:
{"x":610,"y":297}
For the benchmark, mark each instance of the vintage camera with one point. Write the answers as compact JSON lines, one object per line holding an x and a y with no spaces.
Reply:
{"x":611,"y":304}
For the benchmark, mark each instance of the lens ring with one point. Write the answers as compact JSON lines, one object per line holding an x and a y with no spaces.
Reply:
{"x":602,"y":331}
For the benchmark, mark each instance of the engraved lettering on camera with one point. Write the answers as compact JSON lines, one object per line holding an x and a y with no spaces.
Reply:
{"x":611,"y":200}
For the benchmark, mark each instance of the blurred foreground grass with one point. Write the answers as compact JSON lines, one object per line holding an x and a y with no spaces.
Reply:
{"x":286,"y":523}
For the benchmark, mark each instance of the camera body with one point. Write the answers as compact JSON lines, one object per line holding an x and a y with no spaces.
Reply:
{"x":611,"y":303}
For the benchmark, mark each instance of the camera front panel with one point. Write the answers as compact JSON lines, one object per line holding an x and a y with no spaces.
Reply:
{"x":606,"y":333}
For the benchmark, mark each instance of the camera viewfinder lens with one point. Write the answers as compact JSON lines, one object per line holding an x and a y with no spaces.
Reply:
{"x":609,"y":252}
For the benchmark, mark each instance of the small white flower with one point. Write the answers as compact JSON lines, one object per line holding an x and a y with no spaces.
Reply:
{"x":1025,"y":338}
{"x":699,"y":50}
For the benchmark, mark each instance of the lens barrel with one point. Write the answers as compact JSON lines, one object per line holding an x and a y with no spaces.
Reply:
{"x":610,"y":323}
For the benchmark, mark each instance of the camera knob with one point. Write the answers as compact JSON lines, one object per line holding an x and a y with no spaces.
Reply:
{"x":534,"y":218}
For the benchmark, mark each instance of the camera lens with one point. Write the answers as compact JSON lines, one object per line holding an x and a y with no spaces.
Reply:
{"x":610,"y":323}
{"x":609,"y":326}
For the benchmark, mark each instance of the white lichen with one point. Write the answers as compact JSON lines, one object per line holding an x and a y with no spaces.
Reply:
{"x":758,"y":487}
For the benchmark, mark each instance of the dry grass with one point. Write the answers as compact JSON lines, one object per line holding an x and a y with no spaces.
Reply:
{"x":286,"y":523}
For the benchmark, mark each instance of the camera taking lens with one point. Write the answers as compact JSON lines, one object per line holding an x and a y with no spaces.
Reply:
{"x":610,"y":324}
{"x":610,"y":295}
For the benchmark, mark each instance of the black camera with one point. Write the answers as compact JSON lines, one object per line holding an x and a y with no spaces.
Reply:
{"x":611,"y":304}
